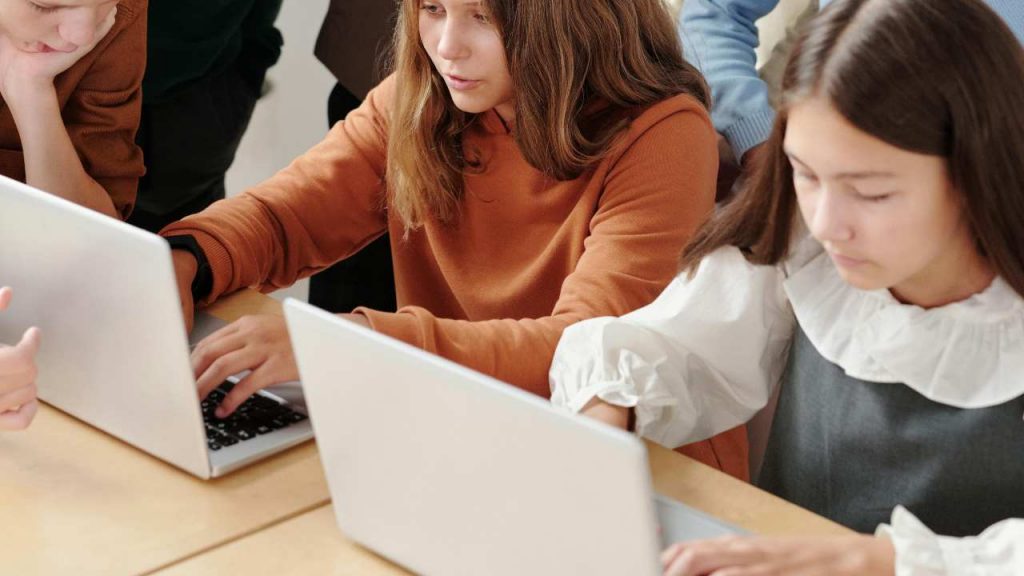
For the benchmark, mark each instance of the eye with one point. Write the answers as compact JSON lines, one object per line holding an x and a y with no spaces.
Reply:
{"x":482,"y":18}
{"x":874,"y":198}
{"x":431,"y":9}
{"x":43,"y":9}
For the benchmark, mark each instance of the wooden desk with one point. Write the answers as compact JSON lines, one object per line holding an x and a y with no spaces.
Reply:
{"x":74,"y":500}
{"x":312,"y":544}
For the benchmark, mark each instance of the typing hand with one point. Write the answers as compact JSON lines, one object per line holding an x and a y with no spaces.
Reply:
{"x":18,"y":403}
{"x":806,"y":556}
{"x":256,"y":343}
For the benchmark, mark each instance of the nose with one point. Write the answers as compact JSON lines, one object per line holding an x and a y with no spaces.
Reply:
{"x":79,"y":27}
{"x":452,"y":45}
{"x":830,"y":220}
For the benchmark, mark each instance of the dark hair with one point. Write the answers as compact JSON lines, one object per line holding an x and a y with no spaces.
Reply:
{"x":568,"y":59}
{"x":937,"y":77}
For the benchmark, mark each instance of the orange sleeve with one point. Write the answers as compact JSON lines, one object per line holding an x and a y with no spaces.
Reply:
{"x":327,"y":205}
{"x":102,"y":115}
{"x":657,"y":193}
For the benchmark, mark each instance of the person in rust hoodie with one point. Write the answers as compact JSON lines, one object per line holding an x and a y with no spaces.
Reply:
{"x":70,"y":79}
{"x":534,"y":164}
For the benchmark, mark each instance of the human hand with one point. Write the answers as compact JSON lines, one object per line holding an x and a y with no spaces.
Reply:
{"x":185,"y":269}
{"x":18,"y":403}
{"x":610,"y":414}
{"x":23,"y":71}
{"x":858,"y":555}
{"x":256,"y":343}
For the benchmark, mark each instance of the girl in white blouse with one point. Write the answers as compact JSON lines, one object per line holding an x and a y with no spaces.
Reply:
{"x":872,"y":273}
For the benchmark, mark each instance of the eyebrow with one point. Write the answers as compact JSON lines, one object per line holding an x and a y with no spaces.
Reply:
{"x":858,"y":175}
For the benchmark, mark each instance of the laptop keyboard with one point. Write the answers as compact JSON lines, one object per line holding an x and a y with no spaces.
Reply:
{"x":256,"y":416}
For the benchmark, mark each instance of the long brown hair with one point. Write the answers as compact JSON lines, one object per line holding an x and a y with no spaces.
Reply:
{"x":563,"y":56}
{"x":937,"y":77}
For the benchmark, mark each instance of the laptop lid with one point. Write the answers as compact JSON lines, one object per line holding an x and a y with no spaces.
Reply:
{"x":114,"y":348}
{"x":447,"y":471}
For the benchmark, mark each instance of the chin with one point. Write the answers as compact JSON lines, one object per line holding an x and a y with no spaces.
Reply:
{"x":471,"y":105}
{"x":862,"y":281}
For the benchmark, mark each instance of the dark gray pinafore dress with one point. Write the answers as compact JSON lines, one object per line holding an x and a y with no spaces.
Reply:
{"x":852,"y":450}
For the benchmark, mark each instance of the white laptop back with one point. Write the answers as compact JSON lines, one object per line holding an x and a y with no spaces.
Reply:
{"x":114,"y":347}
{"x":446,"y":471}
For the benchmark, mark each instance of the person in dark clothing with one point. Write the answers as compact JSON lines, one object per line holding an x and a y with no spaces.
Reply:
{"x":207,"y":60}
{"x":354,"y":36}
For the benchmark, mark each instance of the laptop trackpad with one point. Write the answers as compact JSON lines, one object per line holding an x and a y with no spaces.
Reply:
{"x":679,"y":522}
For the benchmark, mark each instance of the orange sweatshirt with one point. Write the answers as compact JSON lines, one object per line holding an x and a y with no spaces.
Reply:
{"x":528,"y":256}
{"x":101,"y":101}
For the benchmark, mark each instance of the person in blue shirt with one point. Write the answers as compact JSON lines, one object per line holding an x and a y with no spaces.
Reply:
{"x":721,"y":37}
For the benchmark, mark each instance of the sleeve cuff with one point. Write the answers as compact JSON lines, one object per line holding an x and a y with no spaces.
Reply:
{"x":920,"y":552}
{"x":750,"y":131}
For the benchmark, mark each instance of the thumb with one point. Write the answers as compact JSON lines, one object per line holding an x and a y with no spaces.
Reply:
{"x":29,"y":344}
{"x":5,"y":297}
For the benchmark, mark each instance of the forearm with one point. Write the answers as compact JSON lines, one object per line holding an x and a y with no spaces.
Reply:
{"x":51,"y":162}
{"x":516,"y":351}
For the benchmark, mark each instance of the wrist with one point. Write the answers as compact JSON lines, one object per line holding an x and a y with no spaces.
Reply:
{"x":185,"y":265}
{"x":617,"y":416}
{"x":190,"y":264}
{"x":29,"y":96}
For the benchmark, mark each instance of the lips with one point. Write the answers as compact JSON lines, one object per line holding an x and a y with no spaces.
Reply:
{"x":846,"y":261}
{"x":44,"y":48}
{"x":460,"y":83}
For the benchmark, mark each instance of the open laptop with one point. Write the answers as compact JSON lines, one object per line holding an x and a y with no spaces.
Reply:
{"x":114,"y":349}
{"x":446,"y":471}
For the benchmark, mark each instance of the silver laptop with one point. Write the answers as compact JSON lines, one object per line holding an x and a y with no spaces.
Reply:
{"x":447,"y":471}
{"x":114,"y":350}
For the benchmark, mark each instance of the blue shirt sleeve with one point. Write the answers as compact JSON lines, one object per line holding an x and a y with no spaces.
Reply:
{"x":720,"y":38}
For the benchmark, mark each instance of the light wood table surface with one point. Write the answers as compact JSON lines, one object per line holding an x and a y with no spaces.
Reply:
{"x":74,"y":500}
{"x":312,"y":544}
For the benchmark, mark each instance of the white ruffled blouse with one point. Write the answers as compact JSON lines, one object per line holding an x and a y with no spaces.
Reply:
{"x":705,"y":356}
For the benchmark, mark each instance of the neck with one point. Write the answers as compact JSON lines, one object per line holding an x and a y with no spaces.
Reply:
{"x":956,"y":277}
{"x":507,"y":113}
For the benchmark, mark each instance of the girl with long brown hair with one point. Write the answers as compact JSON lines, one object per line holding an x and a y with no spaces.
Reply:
{"x":536,"y":162}
{"x":873,"y":273}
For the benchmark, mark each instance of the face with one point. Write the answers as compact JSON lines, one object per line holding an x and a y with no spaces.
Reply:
{"x":467,"y":50}
{"x":53,"y":25}
{"x":889,"y":218}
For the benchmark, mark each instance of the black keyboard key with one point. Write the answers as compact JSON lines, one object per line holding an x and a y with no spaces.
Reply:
{"x":256,"y":416}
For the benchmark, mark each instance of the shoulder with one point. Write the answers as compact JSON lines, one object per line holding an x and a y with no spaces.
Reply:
{"x":680,"y":120}
{"x":678,"y":124}
{"x":679,"y":109}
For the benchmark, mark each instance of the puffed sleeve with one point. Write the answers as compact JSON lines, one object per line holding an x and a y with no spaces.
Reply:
{"x":998,"y":551}
{"x":701,"y":359}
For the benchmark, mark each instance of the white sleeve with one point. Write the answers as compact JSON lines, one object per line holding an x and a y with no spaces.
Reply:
{"x":998,"y":551}
{"x":701,"y":359}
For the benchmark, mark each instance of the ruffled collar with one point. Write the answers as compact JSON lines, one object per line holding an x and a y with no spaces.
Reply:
{"x":969,"y":354}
